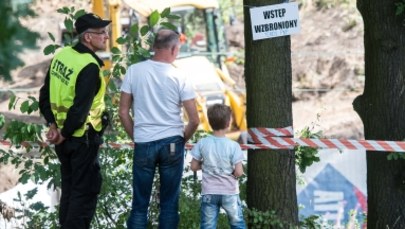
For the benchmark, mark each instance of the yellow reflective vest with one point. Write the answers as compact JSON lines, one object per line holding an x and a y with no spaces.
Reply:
{"x":65,"y":67}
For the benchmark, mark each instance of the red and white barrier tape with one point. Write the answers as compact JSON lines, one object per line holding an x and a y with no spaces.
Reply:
{"x":276,"y":138}
{"x":271,"y":132}
{"x":280,"y":138}
{"x":290,"y":143}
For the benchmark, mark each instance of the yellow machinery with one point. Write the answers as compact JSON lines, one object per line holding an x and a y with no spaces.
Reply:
{"x":203,"y":53}
{"x":114,"y":10}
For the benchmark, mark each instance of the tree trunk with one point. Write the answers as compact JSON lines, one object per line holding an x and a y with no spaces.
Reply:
{"x":381,"y":108}
{"x":271,"y":173}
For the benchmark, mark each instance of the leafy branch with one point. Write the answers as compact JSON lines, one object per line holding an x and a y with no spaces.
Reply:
{"x":305,"y":156}
{"x":400,"y":10}
{"x":14,"y":37}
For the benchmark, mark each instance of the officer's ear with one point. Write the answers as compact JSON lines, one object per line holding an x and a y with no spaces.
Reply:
{"x":87,"y":37}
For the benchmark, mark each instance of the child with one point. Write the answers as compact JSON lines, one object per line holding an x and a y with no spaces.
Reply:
{"x":221,"y":162}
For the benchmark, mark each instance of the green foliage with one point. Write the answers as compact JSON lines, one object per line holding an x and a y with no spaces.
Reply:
{"x":312,"y":222}
{"x":264,"y":219}
{"x":2,"y":121}
{"x":50,"y":49}
{"x":27,"y":106}
{"x":396,"y":155}
{"x":116,"y":196}
{"x":14,"y":37}
{"x":68,"y":37}
{"x":18,"y":131}
{"x":269,"y":219}
{"x":39,"y":167}
{"x":34,"y":215}
{"x":198,"y":135}
{"x":137,"y":42}
{"x":189,"y":201}
{"x":400,"y":8}
{"x":306,"y":156}
{"x":353,"y":222}
{"x":239,"y":57}
{"x":231,"y":10}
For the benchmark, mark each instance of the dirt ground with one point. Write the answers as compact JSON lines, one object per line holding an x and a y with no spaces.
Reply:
{"x":327,"y":63}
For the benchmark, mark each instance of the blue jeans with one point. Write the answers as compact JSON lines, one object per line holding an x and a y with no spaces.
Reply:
{"x":148,"y":155}
{"x":210,"y":205}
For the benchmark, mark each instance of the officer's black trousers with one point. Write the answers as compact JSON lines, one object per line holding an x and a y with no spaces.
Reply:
{"x":81,"y":180}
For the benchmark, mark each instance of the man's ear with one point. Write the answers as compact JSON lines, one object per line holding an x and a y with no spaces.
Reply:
{"x":87,"y":36}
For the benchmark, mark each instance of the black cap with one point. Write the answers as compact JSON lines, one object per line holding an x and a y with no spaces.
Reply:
{"x":88,"y":21}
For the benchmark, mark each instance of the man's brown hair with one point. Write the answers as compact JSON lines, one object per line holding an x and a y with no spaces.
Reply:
{"x":218,"y":116}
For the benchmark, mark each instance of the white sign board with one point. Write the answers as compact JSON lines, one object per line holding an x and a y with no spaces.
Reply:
{"x":274,"y":20}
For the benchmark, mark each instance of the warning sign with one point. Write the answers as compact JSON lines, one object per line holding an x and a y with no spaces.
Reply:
{"x":275,"y":20}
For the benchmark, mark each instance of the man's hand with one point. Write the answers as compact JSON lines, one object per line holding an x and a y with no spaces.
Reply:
{"x":60,"y":138}
{"x":53,"y":134}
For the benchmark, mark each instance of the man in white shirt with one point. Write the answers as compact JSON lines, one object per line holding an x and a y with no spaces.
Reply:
{"x":157,"y":90}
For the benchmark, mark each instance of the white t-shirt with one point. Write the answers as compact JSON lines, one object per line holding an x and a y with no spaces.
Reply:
{"x":158,"y":90}
{"x":219,"y":155}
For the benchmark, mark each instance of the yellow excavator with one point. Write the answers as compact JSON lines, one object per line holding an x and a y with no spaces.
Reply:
{"x":203,"y":54}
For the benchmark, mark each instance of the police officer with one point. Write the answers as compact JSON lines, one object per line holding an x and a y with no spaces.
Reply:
{"x":72,"y":102}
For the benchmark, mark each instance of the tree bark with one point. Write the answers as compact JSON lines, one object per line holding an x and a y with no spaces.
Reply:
{"x":381,"y":108}
{"x":271,"y":173}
